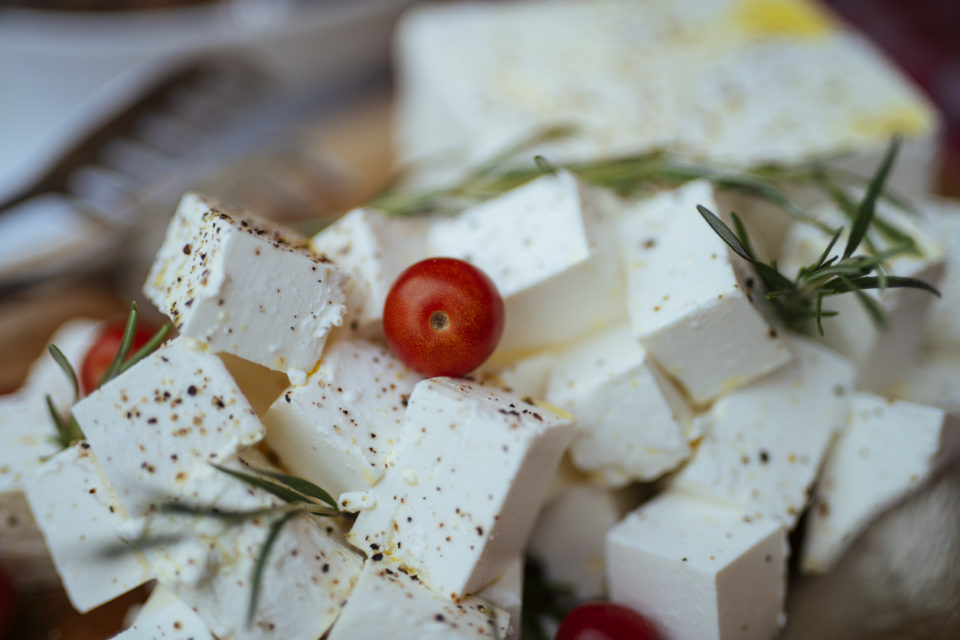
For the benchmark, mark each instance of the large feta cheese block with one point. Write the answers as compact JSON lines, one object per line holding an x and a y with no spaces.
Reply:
{"x":739,"y":81}
{"x":569,"y":539}
{"x":932,"y":379}
{"x":765,"y":442}
{"x":373,"y":248}
{"x":880,"y":352}
{"x":165,"y":617}
{"x":458,"y":502}
{"x":208,"y":562}
{"x":338,"y":429}
{"x":78,"y":512}
{"x":506,"y":593}
{"x":690,"y":300}
{"x":943,"y":330}
{"x":699,"y":571}
{"x":390,"y":602}
{"x":631,"y":421}
{"x":240,"y":285}
{"x":550,"y":248}
{"x":887,"y":449}
{"x":165,"y":419}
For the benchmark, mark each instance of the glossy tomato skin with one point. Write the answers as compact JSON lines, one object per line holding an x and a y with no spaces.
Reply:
{"x":105,"y":348}
{"x":605,"y":621}
{"x":8,"y":605}
{"x":443,"y":317}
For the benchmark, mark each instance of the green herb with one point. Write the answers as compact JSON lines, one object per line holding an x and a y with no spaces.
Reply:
{"x":544,"y":603}
{"x":799,"y":300}
{"x":638,"y":173}
{"x":68,"y":430}
{"x":301,"y":497}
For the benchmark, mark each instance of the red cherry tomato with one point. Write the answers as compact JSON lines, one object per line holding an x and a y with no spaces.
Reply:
{"x":8,"y":605}
{"x":443,"y":317}
{"x":605,"y":621}
{"x":103,"y":351}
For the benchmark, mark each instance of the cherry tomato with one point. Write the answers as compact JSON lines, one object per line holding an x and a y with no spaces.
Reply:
{"x":103,"y":351}
{"x":605,"y":621}
{"x":443,"y":317}
{"x":8,"y":605}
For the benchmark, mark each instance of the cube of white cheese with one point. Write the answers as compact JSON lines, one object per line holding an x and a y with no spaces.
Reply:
{"x":240,"y":285}
{"x":390,"y":602}
{"x":765,"y":442}
{"x":699,"y":571}
{"x":208,"y":562}
{"x":690,"y":300}
{"x":879,"y":352}
{"x":165,"y":617}
{"x":569,"y":539}
{"x":550,"y":250}
{"x":458,"y":502}
{"x":506,"y":593}
{"x":631,"y":421}
{"x":372,"y":248}
{"x":78,"y":512}
{"x":165,"y":419}
{"x":26,"y":427}
{"x":774,"y":81}
{"x":887,"y":449}
{"x":932,"y":379}
{"x":338,"y":428}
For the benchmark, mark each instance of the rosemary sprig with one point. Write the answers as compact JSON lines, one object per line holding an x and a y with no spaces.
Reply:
{"x":300,"y":497}
{"x":68,"y":430}
{"x":643,"y":172}
{"x":544,"y":602}
{"x":799,"y":300}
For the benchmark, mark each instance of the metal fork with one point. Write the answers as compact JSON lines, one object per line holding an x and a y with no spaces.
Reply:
{"x":186,"y":114}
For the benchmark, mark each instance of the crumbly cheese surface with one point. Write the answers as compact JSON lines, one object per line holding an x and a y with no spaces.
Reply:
{"x":241,"y":285}
{"x":165,"y":419}
{"x":460,"y":499}
{"x":165,"y":617}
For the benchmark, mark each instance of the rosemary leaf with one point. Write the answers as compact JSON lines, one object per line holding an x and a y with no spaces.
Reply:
{"x":256,"y":580}
{"x":61,"y":360}
{"x":280,"y":491}
{"x":726,"y":234}
{"x":63,"y":434}
{"x":148,"y":348}
{"x":867,"y":206}
{"x":127,"y":340}
{"x":300,"y":485}
{"x":869,"y":304}
{"x":181,"y":508}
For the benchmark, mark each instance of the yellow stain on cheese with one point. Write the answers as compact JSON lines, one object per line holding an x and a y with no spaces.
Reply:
{"x":904,"y":120}
{"x":783,"y":18}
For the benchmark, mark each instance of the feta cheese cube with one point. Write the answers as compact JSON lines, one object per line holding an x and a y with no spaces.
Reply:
{"x":372,"y":248}
{"x":338,"y":428}
{"x":390,"y":602}
{"x":240,"y":285}
{"x":164,"y":419}
{"x":506,"y":593}
{"x":78,"y":512}
{"x":551,"y":251}
{"x":699,"y":571}
{"x":943,"y":330}
{"x":765,"y":442}
{"x":774,"y":81}
{"x":458,"y":502}
{"x":879,"y":352}
{"x":165,"y":617}
{"x":932,"y":379}
{"x":690,"y":300}
{"x":631,"y":421}
{"x":887,"y":449}
{"x":569,"y":539}
{"x":208,"y":562}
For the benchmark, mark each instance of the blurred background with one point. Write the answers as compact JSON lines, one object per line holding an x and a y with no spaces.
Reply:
{"x":282,"y":106}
